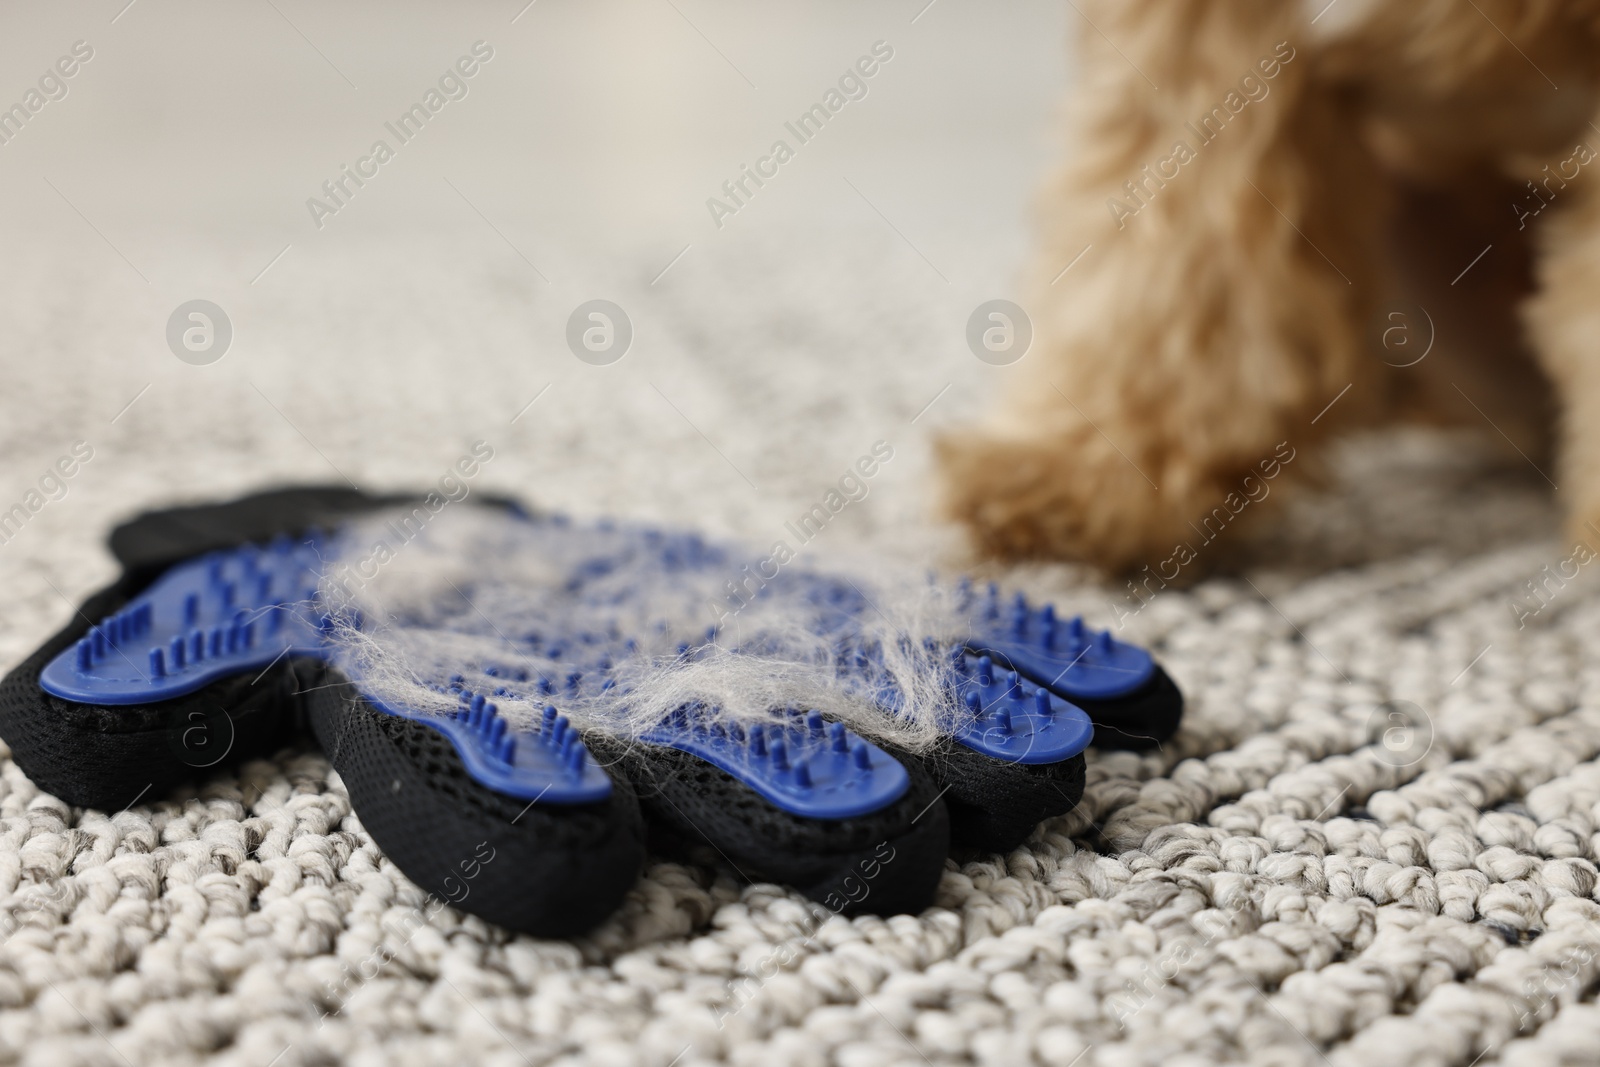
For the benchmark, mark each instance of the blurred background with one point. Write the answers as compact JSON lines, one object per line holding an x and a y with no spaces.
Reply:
{"x":431,"y":310}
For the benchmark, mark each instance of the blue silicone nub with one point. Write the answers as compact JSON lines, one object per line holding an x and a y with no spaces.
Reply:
{"x":1069,"y":659}
{"x":1014,"y":720}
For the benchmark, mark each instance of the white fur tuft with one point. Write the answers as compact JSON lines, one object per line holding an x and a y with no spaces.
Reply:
{"x":480,"y":590}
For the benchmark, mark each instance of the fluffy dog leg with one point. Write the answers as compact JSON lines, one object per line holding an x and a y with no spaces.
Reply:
{"x":1564,"y":321}
{"x":1228,"y":224}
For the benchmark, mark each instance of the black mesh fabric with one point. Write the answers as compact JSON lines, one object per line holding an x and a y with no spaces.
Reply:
{"x":150,"y":543}
{"x":551,"y":870}
{"x":883,"y":863}
{"x":1141,"y":720}
{"x":994,"y":803}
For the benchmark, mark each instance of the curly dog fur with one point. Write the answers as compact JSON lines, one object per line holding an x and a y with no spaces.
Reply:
{"x":1200,"y":309}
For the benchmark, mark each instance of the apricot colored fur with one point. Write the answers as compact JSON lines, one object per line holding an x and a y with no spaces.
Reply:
{"x":1253,"y":286}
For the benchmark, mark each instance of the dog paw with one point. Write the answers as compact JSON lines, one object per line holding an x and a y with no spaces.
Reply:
{"x":1068,"y":496}
{"x":1581,"y":532}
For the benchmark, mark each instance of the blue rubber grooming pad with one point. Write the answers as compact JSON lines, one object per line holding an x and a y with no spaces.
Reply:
{"x":1068,"y":658}
{"x":548,"y":764}
{"x":1007,"y":717}
{"x":1015,"y":721}
{"x":202,"y":621}
{"x":804,"y":765}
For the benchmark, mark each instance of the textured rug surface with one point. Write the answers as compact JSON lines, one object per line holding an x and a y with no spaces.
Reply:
{"x":1374,"y":841}
{"x":1291,"y":879}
